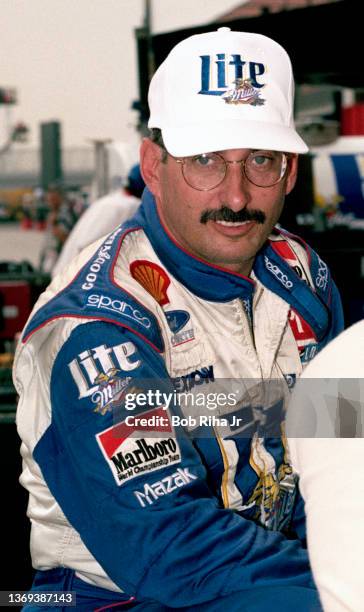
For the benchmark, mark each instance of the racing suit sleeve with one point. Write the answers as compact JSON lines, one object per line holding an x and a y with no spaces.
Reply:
{"x":138,"y":494}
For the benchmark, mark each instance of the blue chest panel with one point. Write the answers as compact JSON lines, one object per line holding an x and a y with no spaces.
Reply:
{"x":93,"y":294}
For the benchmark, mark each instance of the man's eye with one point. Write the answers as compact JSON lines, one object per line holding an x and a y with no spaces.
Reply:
{"x":261,"y":160}
{"x":203,"y":161}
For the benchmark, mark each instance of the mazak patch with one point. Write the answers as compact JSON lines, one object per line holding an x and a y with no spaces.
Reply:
{"x":130,"y":454}
{"x":152,"y":492}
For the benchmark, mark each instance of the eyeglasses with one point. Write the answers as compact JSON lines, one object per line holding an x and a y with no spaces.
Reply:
{"x":206,"y":171}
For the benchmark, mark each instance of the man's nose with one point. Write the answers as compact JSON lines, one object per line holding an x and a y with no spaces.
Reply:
{"x":236,"y":187}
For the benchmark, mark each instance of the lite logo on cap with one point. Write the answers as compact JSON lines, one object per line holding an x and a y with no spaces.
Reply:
{"x":232,"y":77}
{"x":225,"y":90}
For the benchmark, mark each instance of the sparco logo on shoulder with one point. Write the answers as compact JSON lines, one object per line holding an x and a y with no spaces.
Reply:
{"x":105,"y":302}
{"x":322,"y":277}
{"x":278,"y":273}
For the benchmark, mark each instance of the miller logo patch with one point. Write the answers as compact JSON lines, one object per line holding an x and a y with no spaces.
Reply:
{"x":130,"y":454}
{"x":152,"y":278}
{"x":243,"y":93}
{"x":111,"y":390}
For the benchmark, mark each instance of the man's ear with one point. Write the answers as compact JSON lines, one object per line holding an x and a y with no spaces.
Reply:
{"x":292,"y":173}
{"x":150,"y":159}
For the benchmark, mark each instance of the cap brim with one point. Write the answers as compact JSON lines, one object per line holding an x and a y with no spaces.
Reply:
{"x":188,"y":140}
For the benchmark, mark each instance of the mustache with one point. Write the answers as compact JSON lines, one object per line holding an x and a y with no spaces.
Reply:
{"x":226,"y":214}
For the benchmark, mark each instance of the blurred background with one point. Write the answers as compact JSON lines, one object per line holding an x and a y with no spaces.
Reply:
{"x":73,"y":108}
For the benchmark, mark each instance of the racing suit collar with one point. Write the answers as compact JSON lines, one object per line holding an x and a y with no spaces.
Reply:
{"x":207,"y":281}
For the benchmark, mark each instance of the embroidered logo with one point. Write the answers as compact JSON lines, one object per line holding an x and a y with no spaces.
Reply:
{"x":120,"y":307}
{"x":111,"y":390}
{"x":152,"y":278}
{"x":177,"y":319}
{"x":322,"y":277}
{"x":97,"y":263}
{"x":152,"y":492}
{"x":221,"y":71}
{"x":182,"y":337}
{"x":304,"y":335}
{"x":243,"y":93}
{"x":248,"y":308}
{"x":290,"y":380}
{"x":130,"y":454}
{"x":284,"y":250}
{"x":278,"y":273}
{"x":202,"y":376}
{"x":101,"y":364}
{"x":308,"y":353}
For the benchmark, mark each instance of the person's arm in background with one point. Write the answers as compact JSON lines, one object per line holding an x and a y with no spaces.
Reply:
{"x":99,"y":219}
{"x":328,"y":402}
{"x":336,"y":327}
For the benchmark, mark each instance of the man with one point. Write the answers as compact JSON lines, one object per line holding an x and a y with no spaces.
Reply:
{"x":152,"y":376}
{"x":325,"y":421}
{"x":101,"y":217}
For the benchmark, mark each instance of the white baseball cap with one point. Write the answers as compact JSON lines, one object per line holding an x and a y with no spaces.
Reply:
{"x":225,"y":90}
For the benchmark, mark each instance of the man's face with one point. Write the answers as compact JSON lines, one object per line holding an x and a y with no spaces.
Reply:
{"x":225,"y":226}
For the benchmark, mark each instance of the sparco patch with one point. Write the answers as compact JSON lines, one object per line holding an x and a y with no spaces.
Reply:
{"x":130,"y":454}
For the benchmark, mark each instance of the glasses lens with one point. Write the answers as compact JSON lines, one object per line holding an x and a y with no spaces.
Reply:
{"x":204,"y":172}
{"x":265,"y":168}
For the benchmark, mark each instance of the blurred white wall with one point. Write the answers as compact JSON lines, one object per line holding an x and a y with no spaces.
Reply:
{"x":75,"y":61}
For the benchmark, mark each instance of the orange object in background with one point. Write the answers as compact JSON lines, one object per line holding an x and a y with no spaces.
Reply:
{"x":352,"y":120}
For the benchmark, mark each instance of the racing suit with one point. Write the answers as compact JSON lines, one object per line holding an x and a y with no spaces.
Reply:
{"x":130,"y":491}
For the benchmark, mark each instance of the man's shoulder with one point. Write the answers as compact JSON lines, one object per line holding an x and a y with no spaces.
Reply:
{"x":301,"y":257}
{"x":288,"y":241}
{"x":100,"y":287}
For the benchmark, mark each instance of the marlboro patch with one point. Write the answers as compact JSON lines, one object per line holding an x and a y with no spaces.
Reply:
{"x":131,"y":453}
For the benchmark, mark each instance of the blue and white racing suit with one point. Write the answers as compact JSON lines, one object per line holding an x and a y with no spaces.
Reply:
{"x":152,"y":392}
